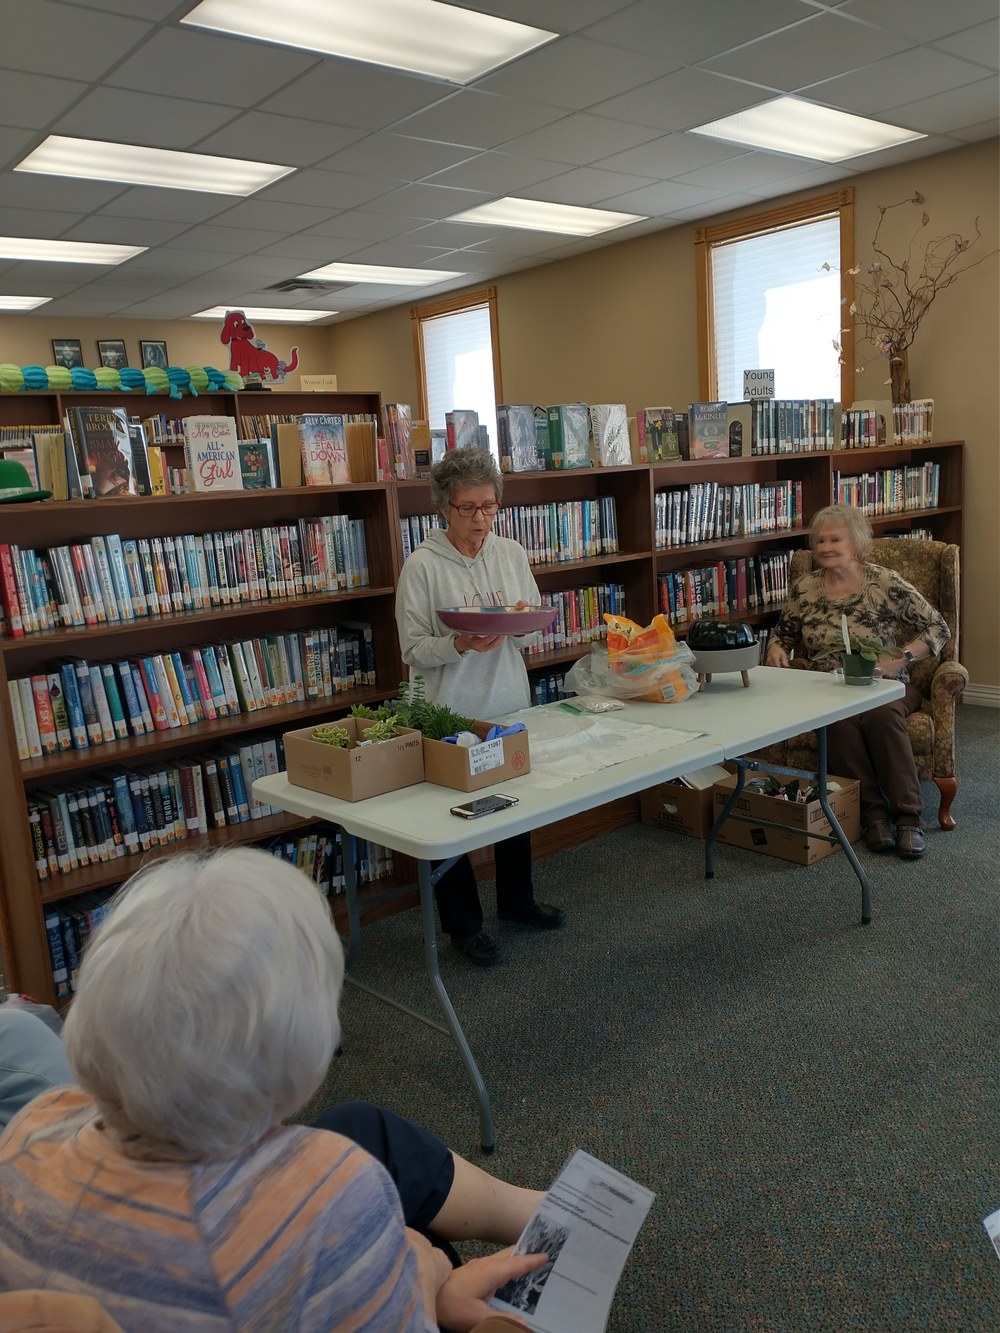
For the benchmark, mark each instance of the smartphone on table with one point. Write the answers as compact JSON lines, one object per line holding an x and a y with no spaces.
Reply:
{"x":483,"y":805}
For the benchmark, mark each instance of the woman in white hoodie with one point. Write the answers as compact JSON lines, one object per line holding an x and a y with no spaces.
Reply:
{"x":480,"y":676}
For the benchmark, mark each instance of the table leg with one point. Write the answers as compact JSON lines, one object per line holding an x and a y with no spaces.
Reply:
{"x":426,"y":880}
{"x":723,"y":816}
{"x":348,"y":844}
{"x":824,"y":800}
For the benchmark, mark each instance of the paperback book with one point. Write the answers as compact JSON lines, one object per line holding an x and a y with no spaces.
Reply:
{"x":569,"y":435}
{"x":101,"y":435}
{"x":662,"y":444}
{"x":462,"y":427}
{"x":255,"y":465}
{"x":399,"y":434}
{"x":518,"y":444}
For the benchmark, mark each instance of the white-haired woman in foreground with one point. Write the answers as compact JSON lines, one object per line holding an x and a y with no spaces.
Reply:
{"x":166,"y":1186}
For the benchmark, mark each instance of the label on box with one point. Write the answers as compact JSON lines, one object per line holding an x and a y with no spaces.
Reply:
{"x":486,"y":756}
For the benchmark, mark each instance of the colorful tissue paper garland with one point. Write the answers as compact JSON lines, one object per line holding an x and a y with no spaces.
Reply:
{"x":175,"y":381}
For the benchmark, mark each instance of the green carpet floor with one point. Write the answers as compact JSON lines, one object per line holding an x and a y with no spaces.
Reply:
{"x":815,"y":1103}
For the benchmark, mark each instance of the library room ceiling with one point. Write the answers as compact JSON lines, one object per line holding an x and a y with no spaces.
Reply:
{"x":381,"y":161}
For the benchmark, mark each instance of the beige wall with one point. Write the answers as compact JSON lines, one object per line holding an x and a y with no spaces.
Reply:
{"x":618,"y":324}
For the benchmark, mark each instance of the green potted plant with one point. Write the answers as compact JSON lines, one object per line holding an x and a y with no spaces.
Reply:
{"x":859,"y":664}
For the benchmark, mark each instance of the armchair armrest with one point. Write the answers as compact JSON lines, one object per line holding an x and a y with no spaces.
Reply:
{"x":948,"y":682}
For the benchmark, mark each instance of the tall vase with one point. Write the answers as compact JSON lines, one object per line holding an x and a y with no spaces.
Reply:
{"x":899,"y":376}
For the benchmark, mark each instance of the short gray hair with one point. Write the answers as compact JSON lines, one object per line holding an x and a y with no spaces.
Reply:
{"x":206,"y":1006}
{"x":460,"y":468}
{"x":843,"y":516}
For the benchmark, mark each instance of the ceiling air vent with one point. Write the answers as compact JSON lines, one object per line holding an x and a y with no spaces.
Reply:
{"x":304,"y":285}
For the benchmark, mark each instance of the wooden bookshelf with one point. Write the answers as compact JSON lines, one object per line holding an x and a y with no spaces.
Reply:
{"x":637,"y":565}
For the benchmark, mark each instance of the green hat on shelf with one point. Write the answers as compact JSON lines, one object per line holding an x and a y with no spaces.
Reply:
{"x":15,"y":483}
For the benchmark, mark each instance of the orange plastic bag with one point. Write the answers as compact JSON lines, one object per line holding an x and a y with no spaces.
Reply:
{"x":639,"y":663}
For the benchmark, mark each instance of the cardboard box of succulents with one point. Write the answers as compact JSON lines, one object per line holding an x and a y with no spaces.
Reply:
{"x":355,"y":770}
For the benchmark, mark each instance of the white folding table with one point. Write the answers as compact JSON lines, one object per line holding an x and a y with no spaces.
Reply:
{"x":417,"y":822}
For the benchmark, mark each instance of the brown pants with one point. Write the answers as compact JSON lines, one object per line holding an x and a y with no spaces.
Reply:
{"x":874,"y":748}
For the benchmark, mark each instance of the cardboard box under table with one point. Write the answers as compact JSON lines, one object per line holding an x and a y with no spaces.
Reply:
{"x":678,"y":809}
{"x":359,"y":772}
{"x":483,"y":765}
{"x":792,"y":842}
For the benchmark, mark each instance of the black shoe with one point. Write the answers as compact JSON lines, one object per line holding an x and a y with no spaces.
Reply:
{"x":542,"y":916}
{"x":481,"y":949}
{"x":910,"y":843}
{"x":878,"y":836}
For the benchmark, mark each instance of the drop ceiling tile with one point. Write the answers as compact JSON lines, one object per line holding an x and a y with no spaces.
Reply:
{"x":553,"y":15}
{"x":810,"y":179}
{"x":748,"y":171}
{"x":580,"y":140}
{"x":15,"y":144}
{"x":275,"y":268}
{"x":305,"y":251}
{"x":33,"y":100}
{"x":229,"y":240}
{"x":714,"y":208}
{"x":288,"y":139}
{"x":400,"y":253}
{"x":819,"y":46}
{"x":678,"y":101}
{"x":326,"y":189}
{"x":586,"y":187}
{"x":482,"y":120}
{"x":670,"y":155}
{"x":980,"y":45}
{"x":171,"y":263}
{"x":573,"y":73}
{"x":947,"y":113}
{"x":891,"y":82}
{"x":496,"y":173}
{"x":987,"y":129}
{"x":153,"y":10}
{"x":23,"y":189}
{"x":107,"y":230}
{"x":83,"y":307}
{"x":142,"y":118}
{"x":362,"y":226}
{"x":146,"y":201}
{"x":659,"y":200}
{"x":924,"y":20}
{"x":685,"y":33}
{"x":427,"y":202}
{"x":514,"y":242}
{"x":209,"y":68}
{"x":65,"y":40}
{"x":168,"y":307}
{"x":345,"y":92}
{"x":393,"y":155}
{"x":48,"y":225}
{"x":275,"y":216}
{"x":449,"y":235}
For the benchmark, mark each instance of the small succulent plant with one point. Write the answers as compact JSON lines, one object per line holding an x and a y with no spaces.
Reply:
{"x":328,"y":733}
{"x":435,"y":721}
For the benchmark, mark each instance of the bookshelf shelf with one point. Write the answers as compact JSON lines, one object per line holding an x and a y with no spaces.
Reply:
{"x":637,"y":566}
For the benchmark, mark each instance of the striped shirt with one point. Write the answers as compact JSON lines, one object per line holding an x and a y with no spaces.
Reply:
{"x":303,"y":1232}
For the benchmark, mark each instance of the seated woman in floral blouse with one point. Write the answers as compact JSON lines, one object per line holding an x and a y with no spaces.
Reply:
{"x":872,"y":747}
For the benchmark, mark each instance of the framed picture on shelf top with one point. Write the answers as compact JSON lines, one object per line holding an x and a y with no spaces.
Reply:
{"x":67,"y":352}
{"x":153,"y":355}
{"x":112,"y":353}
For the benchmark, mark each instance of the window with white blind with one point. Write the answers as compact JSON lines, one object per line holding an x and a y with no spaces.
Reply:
{"x":772,"y":291}
{"x":457,"y":359}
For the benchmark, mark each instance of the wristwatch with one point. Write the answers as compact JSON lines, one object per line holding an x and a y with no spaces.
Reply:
{"x":908,"y":657}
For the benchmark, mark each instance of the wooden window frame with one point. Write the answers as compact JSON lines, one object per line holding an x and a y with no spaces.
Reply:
{"x":452,"y":305}
{"x":776,"y":219}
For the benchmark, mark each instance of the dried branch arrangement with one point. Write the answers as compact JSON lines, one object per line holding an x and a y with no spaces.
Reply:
{"x":892,"y":295}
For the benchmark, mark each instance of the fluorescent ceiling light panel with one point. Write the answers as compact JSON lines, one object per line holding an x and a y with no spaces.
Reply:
{"x":420,"y":36}
{"x":381,"y":273}
{"x":66,"y":252}
{"x":803,"y":129}
{"x":92,"y":159}
{"x":532,"y":215}
{"x":263,"y":315}
{"x":22,"y":302}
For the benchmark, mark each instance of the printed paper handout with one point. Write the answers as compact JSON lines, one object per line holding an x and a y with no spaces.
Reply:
{"x":587,"y":1224}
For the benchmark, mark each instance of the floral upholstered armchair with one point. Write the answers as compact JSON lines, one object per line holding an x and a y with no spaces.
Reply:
{"x":933,"y":569}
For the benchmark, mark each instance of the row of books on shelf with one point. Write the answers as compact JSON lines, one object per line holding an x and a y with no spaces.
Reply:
{"x":319,"y":855}
{"x":110,"y":579}
{"x":580,"y":617}
{"x":414,"y":528}
{"x":869,"y":425}
{"x":80,"y":704}
{"x":710,"y":511}
{"x":890,"y":490}
{"x":739,"y":585}
{"x":112,"y":815}
{"x":550,"y":688}
{"x":560,"y":531}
